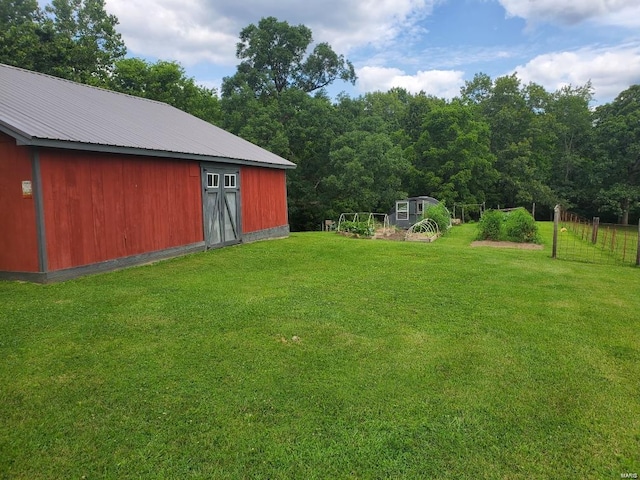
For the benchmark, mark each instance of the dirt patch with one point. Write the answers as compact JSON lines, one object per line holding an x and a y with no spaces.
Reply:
{"x":521,"y":246}
{"x":396,"y":235}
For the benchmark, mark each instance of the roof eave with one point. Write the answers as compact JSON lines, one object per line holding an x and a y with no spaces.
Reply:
{"x":22,"y":139}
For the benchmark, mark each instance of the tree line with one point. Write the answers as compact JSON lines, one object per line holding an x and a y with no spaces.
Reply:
{"x":499,"y":142}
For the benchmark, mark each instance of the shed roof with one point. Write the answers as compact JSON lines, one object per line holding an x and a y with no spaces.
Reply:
{"x":425,"y":198}
{"x":42,"y":110}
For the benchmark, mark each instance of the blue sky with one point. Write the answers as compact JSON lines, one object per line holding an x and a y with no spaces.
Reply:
{"x":429,"y":45}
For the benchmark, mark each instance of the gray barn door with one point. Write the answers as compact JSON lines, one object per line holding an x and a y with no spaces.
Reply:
{"x":221,"y":203}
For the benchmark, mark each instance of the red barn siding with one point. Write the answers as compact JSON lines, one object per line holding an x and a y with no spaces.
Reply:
{"x":264,"y":198}
{"x":103,"y":206}
{"x":18,"y":237}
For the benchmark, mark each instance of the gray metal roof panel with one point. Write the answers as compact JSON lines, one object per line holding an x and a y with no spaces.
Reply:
{"x":40,"y":107}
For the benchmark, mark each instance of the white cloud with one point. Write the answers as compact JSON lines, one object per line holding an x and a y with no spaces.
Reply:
{"x":609,"y":70}
{"x":181,"y":30}
{"x":368,"y":22}
{"x":441,"y":83}
{"x":192,"y":31}
{"x":606,"y":12}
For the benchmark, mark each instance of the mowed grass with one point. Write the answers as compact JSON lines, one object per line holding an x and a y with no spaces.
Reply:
{"x":320,"y":356}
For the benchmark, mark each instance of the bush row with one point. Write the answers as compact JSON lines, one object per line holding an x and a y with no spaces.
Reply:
{"x":515,"y":226}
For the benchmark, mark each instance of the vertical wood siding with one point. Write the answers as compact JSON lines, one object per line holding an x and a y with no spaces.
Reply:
{"x":103,"y":206}
{"x":264,"y":198}
{"x":18,"y":237}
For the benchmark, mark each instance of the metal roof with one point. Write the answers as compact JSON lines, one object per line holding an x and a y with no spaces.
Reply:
{"x":42,"y":110}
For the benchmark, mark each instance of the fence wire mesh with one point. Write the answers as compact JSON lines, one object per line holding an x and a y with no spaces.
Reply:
{"x":583,"y":240}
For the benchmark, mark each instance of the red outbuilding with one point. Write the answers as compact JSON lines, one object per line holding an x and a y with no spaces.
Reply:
{"x":92,"y":180}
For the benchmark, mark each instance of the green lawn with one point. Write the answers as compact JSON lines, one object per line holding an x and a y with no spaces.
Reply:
{"x":410,"y":360}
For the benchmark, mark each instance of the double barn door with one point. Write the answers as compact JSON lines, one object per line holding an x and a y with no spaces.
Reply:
{"x":221,"y":203}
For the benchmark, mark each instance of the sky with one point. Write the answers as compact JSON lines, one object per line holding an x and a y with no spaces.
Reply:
{"x":421,"y":45}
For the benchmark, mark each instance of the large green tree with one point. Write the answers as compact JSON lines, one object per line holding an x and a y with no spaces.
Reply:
{"x":367,"y":173}
{"x":274,"y":58}
{"x":310,"y":124}
{"x":453,"y":161}
{"x":72,"y":39}
{"x":572,"y":161}
{"x":86,"y":34}
{"x":478,"y":91}
{"x":23,"y":34}
{"x":617,"y":169}
{"x":521,"y":137}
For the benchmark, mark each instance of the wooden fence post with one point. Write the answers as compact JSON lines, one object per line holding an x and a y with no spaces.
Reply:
{"x":556,"y":220}
{"x":638,"y":253}
{"x":594,"y":233}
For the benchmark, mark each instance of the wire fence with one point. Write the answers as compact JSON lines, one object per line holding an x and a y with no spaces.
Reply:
{"x":579,"y":239}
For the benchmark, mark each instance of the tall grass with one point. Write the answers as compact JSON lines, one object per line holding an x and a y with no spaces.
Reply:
{"x":321,"y":356}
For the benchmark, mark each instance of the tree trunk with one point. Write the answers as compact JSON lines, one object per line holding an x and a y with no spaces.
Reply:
{"x":625,"y":211}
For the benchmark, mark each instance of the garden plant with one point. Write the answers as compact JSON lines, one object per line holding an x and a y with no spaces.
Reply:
{"x":515,"y":226}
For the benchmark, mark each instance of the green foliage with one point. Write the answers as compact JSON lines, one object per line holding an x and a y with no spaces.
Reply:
{"x":491,"y":225}
{"x":24,"y":35}
{"x":72,"y":39}
{"x":572,"y":121}
{"x":515,"y":226}
{"x":364,"y":229}
{"x":520,"y":227}
{"x":439,"y":214}
{"x":273,"y":60}
{"x":369,"y":164}
{"x":91,"y":34}
{"x":165,"y":82}
{"x":617,"y":130}
{"x":454,"y":156}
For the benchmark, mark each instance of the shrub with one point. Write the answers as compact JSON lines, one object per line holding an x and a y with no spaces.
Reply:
{"x":521,"y":227}
{"x":491,"y":225}
{"x":516,"y":226}
{"x":439,"y":214}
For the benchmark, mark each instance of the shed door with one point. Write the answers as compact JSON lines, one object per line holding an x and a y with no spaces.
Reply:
{"x":221,"y":204}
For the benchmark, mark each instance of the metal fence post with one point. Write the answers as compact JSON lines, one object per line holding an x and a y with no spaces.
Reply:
{"x":556,"y":220}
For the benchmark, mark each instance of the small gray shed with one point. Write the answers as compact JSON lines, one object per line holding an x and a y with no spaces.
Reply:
{"x":410,"y":210}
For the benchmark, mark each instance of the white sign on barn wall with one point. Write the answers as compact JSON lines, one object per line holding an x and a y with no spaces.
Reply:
{"x":27,"y":191}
